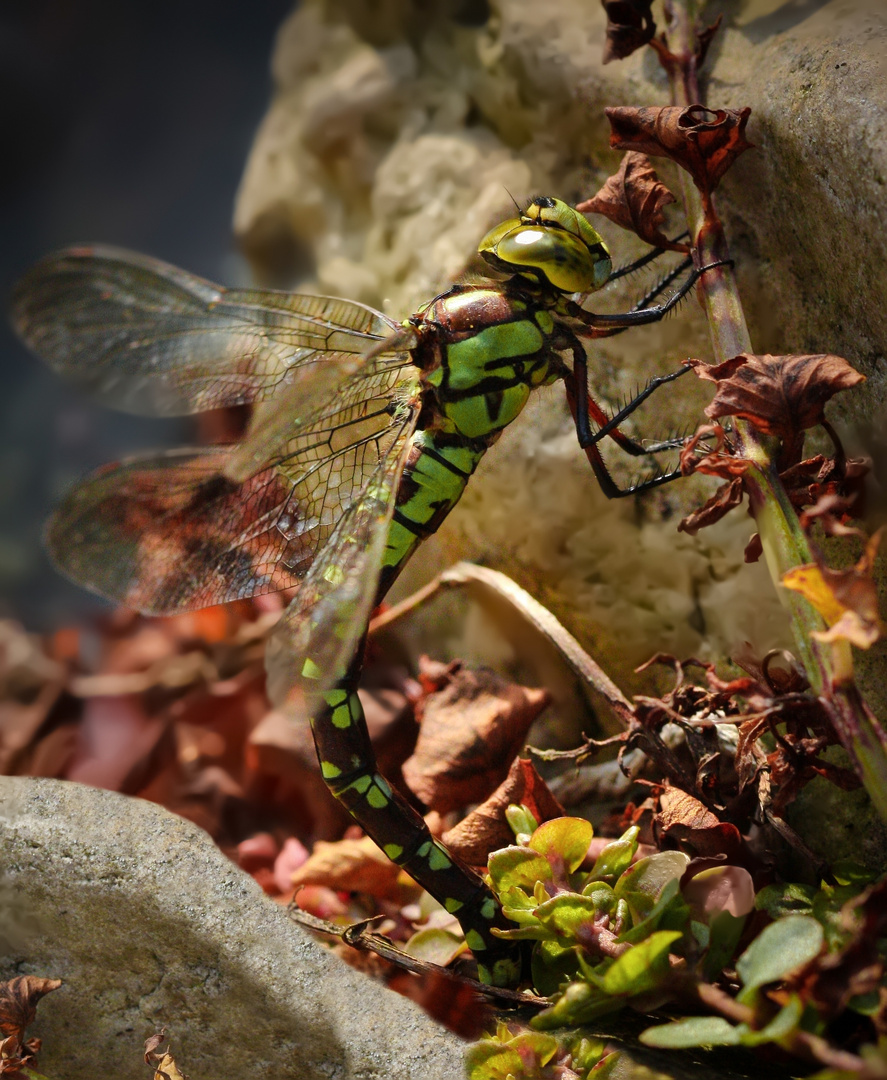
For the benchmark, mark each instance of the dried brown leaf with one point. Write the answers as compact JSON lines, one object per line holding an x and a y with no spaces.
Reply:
{"x":471,"y":730}
{"x":722,"y":502}
{"x":703,"y":141}
{"x":18,"y":1002}
{"x":151,"y":1044}
{"x":684,"y":821}
{"x":353,"y":866}
{"x":630,"y":26}
{"x":485,"y":829}
{"x":634,"y":198}
{"x":779,"y":395}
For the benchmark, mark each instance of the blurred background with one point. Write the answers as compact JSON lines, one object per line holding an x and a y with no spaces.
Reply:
{"x":127,"y":124}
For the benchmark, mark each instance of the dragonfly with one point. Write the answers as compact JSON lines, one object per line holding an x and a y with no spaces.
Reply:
{"x":363,"y":436}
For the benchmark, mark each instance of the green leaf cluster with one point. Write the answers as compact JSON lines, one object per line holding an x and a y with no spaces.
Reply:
{"x":603,"y":937}
{"x":514,"y":1053}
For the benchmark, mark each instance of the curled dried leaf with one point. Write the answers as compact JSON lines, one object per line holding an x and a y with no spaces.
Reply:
{"x":485,"y":829}
{"x":722,"y":502}
{"x":634,"y":198}
{"x":471,"y":730}
{"x":353,"y":866}
{"x":779,"y":395}
{"x":18,"y":1003}
{"x":630,"y":26}
{"x":703,"y":141}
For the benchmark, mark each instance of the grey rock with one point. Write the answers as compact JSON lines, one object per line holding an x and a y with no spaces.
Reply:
{"x":149,"y":925}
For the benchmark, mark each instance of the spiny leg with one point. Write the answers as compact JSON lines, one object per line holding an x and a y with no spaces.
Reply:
{"x":348,"y":765}
{"x":584,"y":408}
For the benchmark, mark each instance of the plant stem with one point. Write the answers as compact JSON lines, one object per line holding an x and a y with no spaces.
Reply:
{"x":783,"y":541}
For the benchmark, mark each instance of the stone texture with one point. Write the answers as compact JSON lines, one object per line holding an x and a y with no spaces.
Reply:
{"x":149,"y":925}
{"x":391,"y":144}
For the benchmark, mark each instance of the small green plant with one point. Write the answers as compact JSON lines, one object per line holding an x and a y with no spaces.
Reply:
{"x":665,"y":933}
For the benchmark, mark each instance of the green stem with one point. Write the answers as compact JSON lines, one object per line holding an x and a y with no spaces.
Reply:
{"x":783,"y":541}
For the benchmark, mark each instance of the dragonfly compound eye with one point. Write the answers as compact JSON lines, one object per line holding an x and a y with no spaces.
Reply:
{"x":553,"y":242}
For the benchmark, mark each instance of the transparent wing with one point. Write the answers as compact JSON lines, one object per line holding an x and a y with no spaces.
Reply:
{"x":170,"y":532}
{"x":314,"y":643}
{"x":148,"y":338}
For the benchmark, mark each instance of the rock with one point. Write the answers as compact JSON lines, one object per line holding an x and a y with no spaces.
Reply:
{"x":390,"y":187}
{"x":149,"y":925}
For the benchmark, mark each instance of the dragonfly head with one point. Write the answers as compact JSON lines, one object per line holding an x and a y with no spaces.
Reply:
{"x":550,"y":242}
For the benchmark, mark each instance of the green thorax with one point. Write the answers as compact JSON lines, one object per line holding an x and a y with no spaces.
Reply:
{"x":482,"y":350}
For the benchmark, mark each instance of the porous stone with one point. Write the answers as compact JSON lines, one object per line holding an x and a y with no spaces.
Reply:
{"x":150,"y":926}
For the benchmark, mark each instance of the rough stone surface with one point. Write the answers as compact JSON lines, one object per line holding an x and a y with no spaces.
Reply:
{"x":149,"y":925}
{"x":391,"y":144}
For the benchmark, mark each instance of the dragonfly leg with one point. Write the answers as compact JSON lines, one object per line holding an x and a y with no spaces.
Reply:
{"x":584,"y":409}
{"x":348,"y":765}
{"x":644,"y":260}
{"x":602,"y":325}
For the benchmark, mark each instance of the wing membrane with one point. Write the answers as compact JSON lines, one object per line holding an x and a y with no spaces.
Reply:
{"x":328,"y":616}
{"x":148,"y":338}
{"x":171,"y":532}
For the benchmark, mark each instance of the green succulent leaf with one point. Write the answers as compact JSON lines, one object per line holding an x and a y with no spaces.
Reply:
{"x":518,"y":866}
{"x":783,"y":1024}
{"x":780,"y":948}
{"x":553,"y":965}
{"x":580,"y":1003}
{"x":521,"y":820}
{"x":693,"y":1031}
{"x":791,"y":899}
{"x":568,"y":915}
{"x":669,"y":905}
{"x":642,"y":884}
{"x":601,"y":895}
{"x":641,"y":968}
{"x":563,"y":840}
{"x":724,"y":933}
{"x":616,"y":857}
{"x":490,"y":1060}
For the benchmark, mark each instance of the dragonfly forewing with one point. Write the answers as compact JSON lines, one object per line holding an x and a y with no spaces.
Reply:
{"x":148,"y":338}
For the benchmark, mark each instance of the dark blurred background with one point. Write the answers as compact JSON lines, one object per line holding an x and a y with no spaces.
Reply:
{"x":127,"y":123}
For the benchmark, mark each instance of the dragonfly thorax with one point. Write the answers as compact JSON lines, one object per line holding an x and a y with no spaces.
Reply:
{"x":483,"y":350}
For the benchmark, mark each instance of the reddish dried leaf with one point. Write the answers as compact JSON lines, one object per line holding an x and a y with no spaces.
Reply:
{"x":471,"y":730}
{"x":722,"y":502}
{"x":703,"y":141}
{"x":719,"y":461}
{"x":831,"y":511}
{"x":352,"y":866}
{"x":754,"y":549}
{"x":18,"y":1003}
{"x":485,"y":828}
{"x":634,"y":199}
{"x":456,"y":1006}
{"x":780,"y":395}
{"x":686,"y":821}
{"x":630,"y":26}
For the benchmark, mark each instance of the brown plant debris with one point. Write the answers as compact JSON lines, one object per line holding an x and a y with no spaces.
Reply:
{"x":630,"y":26}
{"x":472,"y":725}
{"x":485,"y":829}
{"x":634,"y":198}
{"x":703,"y":141}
